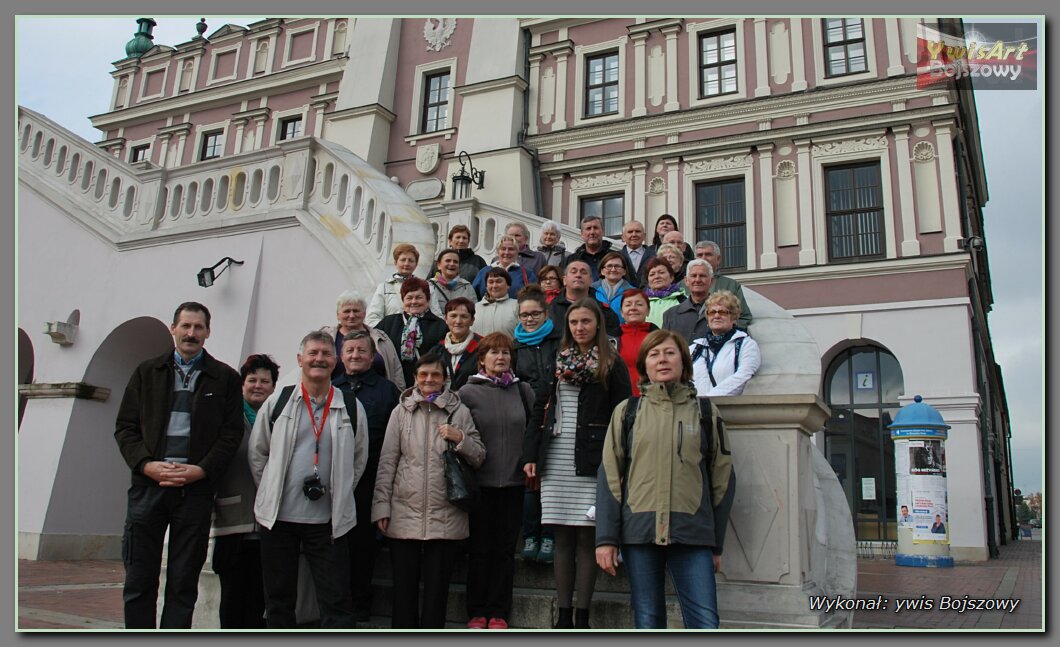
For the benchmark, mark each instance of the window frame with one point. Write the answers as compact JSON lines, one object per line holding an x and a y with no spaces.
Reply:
{"x":726,"y":256}
{"x":604,"y":84}
{"x":426,"y":103}
{"x":702,"y":67}
{"x":281,"y":130}
{"x":581,"y":53}
{"x":205,"y":137}
{"x":602,"y":198}
{"x":820,"y":59}
{"x":139,"y":148}
{"x":845,"y":43}
{"x":879,"y":210}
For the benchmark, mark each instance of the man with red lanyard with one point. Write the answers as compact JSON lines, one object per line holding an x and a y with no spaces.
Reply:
{"x":307,"y":451}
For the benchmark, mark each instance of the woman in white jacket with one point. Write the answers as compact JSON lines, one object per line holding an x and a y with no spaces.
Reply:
{"x":726,"y":358}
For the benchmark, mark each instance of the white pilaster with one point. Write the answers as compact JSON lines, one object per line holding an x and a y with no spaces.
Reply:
{"x":640,"y":169}
{"x":948,"y":185}
{"x":894,"y":48}
{"x":640,"y":80}
{"x":672,"y":102}
{"x":673,"y":193}
{"x":798,"y":56}
{"x":765,"y":175}
{"x":761,"y":58}
{"x":807,"y":253}
{"x":535,"y":81}
{"x":910,"y":243}
{"x":557,"y":198}
{"x":561,"y":91}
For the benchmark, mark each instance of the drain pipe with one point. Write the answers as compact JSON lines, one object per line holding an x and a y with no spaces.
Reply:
{"x":535,"y":160}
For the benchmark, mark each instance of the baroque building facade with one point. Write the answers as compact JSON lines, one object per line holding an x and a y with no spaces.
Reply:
{"x":836,"y":186}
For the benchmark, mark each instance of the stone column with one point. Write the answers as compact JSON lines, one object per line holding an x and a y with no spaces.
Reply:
{"x":672,"y":102}
{"x":769,"y":238}
{"x":640,"y":79}
{"x":790,"y":532}
{"x":910,"y":242}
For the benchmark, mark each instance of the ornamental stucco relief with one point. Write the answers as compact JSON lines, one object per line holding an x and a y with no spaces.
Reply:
{"x":437,"y":32}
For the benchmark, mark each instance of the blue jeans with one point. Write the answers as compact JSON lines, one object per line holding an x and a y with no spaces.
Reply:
{"x":692,"y":572}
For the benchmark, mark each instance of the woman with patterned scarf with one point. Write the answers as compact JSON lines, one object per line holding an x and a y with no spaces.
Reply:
{"x":563,"y":443}
{"x":726,"y":358}
{"x":447,"y":284}
{"x":416,"y":330}
{"x":459,"y":347}
{"x":663,"y":291}
{"x":500,"y":405}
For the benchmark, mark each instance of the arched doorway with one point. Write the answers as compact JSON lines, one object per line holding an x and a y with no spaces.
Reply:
{"x":25,"y":369}
{"x":861,"y":386}
{"x":89,"y":454}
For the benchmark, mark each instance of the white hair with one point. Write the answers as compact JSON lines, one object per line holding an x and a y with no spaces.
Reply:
{"x":550,"y":225}
{"x":521,"y":226}
{"x":350,"y":297}
{"x":709,"y":243}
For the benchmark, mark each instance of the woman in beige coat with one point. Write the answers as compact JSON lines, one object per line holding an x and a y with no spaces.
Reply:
{"x":410,"y":505}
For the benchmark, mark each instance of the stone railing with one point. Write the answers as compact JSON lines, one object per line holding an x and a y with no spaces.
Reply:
{"x":356,"y":212}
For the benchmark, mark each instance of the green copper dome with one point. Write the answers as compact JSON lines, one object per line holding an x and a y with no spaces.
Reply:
{"x":142,"y":40}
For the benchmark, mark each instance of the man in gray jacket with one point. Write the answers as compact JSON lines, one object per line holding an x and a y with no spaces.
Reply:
{"x":306,"y":456}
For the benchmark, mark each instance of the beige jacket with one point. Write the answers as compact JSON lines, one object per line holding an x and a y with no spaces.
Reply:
{"x":410,"y":484}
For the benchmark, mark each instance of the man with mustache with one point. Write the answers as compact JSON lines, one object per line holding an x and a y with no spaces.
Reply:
{"x":178,"y":427}
{"x":308,"y":449}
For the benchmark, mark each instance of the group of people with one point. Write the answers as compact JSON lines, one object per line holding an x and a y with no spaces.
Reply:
{"x":569,"y":381}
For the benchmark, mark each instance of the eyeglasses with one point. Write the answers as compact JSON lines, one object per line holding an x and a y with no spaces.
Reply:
{"x":531,"y":315}
{"x":718,"y":311}
{"x":548,"y":279}
{"x":615,"y":266}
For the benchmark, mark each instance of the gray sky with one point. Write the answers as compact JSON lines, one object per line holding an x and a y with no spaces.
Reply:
{"x":68,"y":89}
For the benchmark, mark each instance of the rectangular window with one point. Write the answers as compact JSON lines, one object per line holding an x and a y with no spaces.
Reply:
{"x":290,"y":128}
{"x":601,"y":85}
{"x":844,"y":46}
{"x":138,"y":154}
{"x":212,"y":143}
{"x":717,"y":63}
{"x":435,"y":102}
{"x":854,"y":211}
{"x":610,"y":208}
{"x":721,"y":217}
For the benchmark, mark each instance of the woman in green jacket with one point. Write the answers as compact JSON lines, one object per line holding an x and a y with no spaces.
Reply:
{"x":675,"y":521}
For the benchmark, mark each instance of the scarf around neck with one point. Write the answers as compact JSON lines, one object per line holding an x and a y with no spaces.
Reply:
{"x":715,"y":342}
{"x":577,"y":368}
{"x":410,"y":337}
{"x":457,"y":348}
{"x":536,"y":337}
{"x":448,"y":285}
{"x":504,"y":380}
{"x":249,"y":412}
{"x":665,"y":292}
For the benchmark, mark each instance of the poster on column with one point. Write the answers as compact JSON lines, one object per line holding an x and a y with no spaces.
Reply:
{"x":926,"y":484}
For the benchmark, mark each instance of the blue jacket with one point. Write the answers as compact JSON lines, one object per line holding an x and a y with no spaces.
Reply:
{"x":520,"y":277}
{"x":614,"y":303}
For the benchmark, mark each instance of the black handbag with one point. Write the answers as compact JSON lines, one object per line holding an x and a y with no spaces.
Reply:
{"x":461,"y":483}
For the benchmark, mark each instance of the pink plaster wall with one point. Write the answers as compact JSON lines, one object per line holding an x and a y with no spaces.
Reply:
{"x":912,"y":286}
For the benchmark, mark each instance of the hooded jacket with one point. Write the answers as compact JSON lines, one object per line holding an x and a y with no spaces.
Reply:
{"x":410,"y":485}
{"x":271,"y":450}
{"x":665,"y":492}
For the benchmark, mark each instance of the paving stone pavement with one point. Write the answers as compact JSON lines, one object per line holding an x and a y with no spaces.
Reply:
{"x":86,"y":595}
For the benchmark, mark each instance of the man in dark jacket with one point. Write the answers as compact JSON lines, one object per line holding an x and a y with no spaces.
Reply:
{"x":686,"y":317}
{"x":178,"y":426}
{"x":594,"y":246}
{"x":576,"y":284}
{"x":710,"y":251}
{"x":636,"y":253}
{"x":378,"y":396}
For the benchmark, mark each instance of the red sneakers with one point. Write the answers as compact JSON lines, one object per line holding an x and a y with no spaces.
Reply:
{"x":478,"y":623}
{"x":498,"y":623}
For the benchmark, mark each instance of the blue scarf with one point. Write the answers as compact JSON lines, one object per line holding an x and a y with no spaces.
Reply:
{"x":715,"y":342}
{"x":533,"y":338}
{"x":249,"y":412}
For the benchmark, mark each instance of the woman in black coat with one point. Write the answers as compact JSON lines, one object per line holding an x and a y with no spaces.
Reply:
{"x":564,"y":443}
{"x":416,"y":330}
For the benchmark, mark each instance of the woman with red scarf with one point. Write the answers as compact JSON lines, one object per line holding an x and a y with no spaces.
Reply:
{"x":634,"y":329}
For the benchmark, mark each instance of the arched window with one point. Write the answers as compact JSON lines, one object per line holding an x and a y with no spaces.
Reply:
{"x":861,"y":386}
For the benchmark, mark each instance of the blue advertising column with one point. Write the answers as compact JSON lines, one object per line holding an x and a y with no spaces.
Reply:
{"x":919,"y":435}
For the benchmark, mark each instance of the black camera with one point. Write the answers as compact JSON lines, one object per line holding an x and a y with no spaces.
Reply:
{"x":312,"y":488}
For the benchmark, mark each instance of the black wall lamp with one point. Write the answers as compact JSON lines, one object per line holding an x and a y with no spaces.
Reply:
{"x":462,"y":181}
{"x":207,"y":275}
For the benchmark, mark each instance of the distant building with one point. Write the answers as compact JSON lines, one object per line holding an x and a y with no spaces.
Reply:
{"x":835,"y":186}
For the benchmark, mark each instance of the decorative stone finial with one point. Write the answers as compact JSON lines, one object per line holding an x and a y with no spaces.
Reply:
{"x":201,"y":27}
{"x":142,"y":40}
